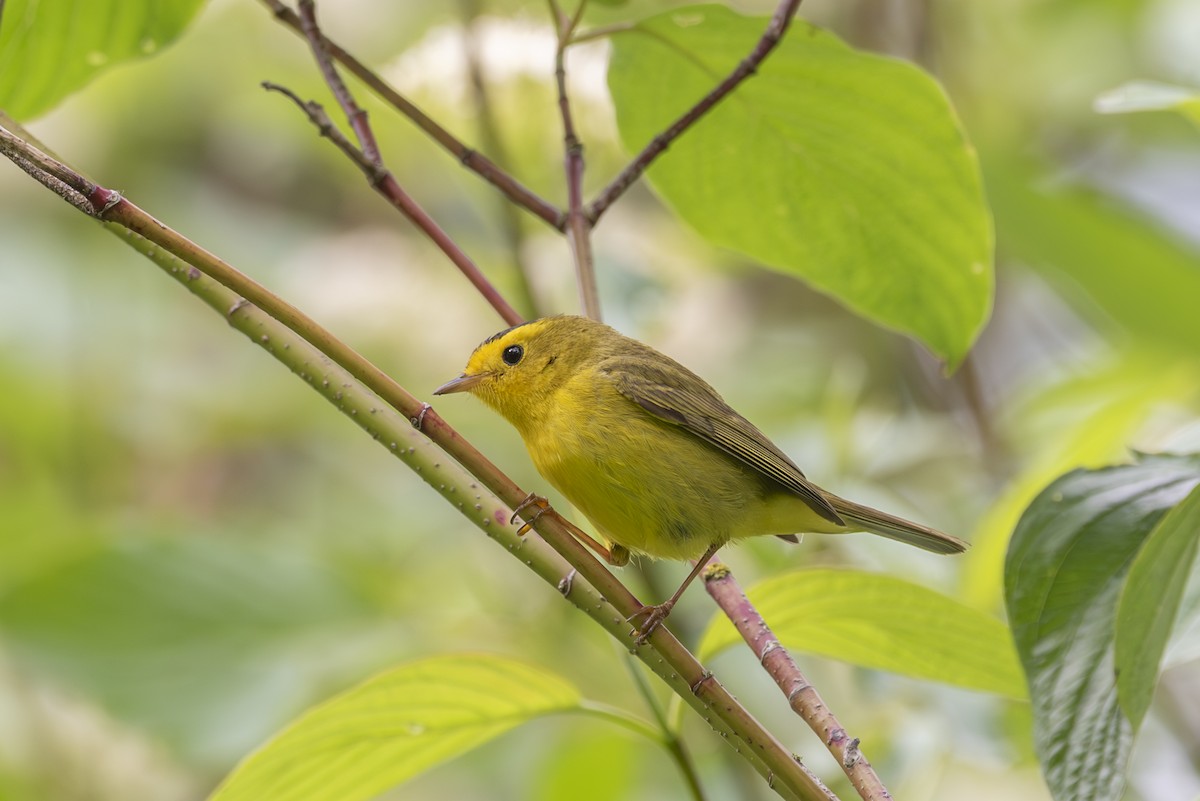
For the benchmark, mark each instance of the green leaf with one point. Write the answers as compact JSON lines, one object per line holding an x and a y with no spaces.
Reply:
{"x":199,"y":641}
{"x":50,"y":49}
{"x":1149,"y":605}
{"x":884,"y":623}
{"x":1083,"y":421}
{"x":396,"y":725}
{"x":1086,"y":242}
{"x":1140,"y":96}
{"x":846,"y":169}
{"x":1067,"y":563}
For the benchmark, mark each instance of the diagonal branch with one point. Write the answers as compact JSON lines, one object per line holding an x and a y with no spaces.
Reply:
{"x":747,"y":67}
{"x":471,"y":159}
{"x":383,"y":182}
{"x":665,"y":656}
{"x":802,"y":697}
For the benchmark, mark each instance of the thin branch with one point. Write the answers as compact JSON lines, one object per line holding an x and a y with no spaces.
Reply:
{"x":471,"y":159}
{"x":602,"y":32}
{"x":357,"y":117}
{"x":489,"y":131}
{"x":802,"y":697}
{"x":666,"y":656}
{"x":747,"y":67}
{"x":578,"y":226}
{"x":383,"y":182}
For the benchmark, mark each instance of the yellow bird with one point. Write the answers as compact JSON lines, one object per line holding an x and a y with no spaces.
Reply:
{"x":650,"y":453}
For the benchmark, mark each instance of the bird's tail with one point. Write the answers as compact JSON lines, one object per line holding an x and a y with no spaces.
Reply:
{"x":864,"y":518}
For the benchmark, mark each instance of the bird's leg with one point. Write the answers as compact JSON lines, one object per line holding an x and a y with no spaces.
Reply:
{"x":655,"y":615}
{"x":617,"y":555}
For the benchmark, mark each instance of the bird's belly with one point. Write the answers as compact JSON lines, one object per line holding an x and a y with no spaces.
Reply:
{"x":646,"y":488}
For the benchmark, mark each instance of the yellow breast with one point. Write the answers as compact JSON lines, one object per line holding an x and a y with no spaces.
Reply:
{"x":643,"y":483}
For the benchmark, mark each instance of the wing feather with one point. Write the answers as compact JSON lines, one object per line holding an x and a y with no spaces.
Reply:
{"x":682,"y":398}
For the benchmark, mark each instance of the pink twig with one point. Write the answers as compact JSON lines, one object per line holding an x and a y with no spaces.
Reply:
{"x":801,"y":696}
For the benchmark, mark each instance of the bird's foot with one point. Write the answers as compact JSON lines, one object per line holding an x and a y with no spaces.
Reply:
{"x":655,"y":615}
{"x":532,"y":499}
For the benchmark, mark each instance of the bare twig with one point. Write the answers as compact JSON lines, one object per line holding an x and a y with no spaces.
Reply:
{"x":578,"y":226}
{"x":356,"y":115}
{"x":471,"y":159}
{"x":801,"y":696}
{"x":489,"y":131}
{"x":670,"y":660}
{"x":602,"y":32}
{"x":383,"y":182}
{"x":770,"y":38}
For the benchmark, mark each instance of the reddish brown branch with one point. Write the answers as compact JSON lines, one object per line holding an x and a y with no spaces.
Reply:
{"x":357,"y":116}
{"x":802,"y":697}
{"x":471,"y":159}
{"x":747,"y":67}
{"x":382,"y":180}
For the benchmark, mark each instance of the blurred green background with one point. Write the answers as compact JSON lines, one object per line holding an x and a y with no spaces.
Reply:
{"x":193,"y":547}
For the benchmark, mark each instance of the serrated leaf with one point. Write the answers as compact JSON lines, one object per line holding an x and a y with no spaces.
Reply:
{"x":846,"y":169}
{"x":1149,"y":605}
{"x":396,"y":725}
{"x":50,"y":49}
{"x":885,"y":623}
{"x":1066,"y":566}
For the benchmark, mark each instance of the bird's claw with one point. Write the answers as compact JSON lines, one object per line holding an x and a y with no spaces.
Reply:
{"x":532,"y":499}
{"x":655,"y":615}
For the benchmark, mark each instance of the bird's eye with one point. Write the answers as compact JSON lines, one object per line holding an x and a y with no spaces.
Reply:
{"x":512,"y":354}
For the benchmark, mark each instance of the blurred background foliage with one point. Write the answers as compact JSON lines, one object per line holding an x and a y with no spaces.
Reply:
{"x":193,"y":548}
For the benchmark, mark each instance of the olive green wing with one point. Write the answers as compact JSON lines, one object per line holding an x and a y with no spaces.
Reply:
{"x":681,"y":397}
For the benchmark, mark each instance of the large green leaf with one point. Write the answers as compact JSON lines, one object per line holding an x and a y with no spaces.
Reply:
{"x":885,"y":623}
{"x":1067,"y":565}
{"x":847,"y":169}
{"x":1149,"y":605}
{"x":396,"y":725}
{"x":50,"y":49}
{"x":208,"y":644}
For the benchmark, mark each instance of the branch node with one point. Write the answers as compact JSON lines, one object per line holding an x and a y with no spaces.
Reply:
{"x":771,"y":645}
{"x":238,"y":305}
{"x":852,"y":755}
{"x":705,"y":676}
{"x":419,"y":419}
{"x":567,"y":582}
{"x":796,"y":690}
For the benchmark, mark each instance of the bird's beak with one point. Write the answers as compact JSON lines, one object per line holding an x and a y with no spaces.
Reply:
{"x":464,"y":383}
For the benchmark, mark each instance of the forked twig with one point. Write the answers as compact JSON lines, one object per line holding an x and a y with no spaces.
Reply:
{"x":368,"y":159}
{"x":470,"y":158}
